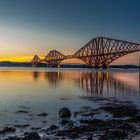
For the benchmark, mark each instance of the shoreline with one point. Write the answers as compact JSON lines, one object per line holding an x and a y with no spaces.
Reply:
{"x":113,"y":119}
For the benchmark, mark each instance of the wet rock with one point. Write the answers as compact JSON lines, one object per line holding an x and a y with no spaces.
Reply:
{"x":74,"y":135}
{"x":135,"y":119}
{"x":32,"y":136}
{"x":114,"y":135}
{"x":68,"y":133}
{"x":35,"y":128}
{"x":70,"y":124}
{"x":44,"y":121}
{"x":95,"y":122}
{"x":8,"y":130}
{"x":64,"y":121}
{"x":64,"y":98}
{"x":52,"y":127}
{"x":124,"y":123}
{"x":22,"y":112}
{"x":90,"y":137}
{"x":42,"y":114}
{"x":86,"y":112}
{"x":64,"y":113}
{"x":103,"y":137}
{"x":118,"y":134}
{"x":75,"y":131}
{"x":75,"y":114}
{"x":87,"y":107}
{"x":120,"y":110}
{"x":12,"y":138}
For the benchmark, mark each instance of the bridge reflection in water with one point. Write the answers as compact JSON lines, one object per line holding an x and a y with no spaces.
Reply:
{"x":94,"y":83}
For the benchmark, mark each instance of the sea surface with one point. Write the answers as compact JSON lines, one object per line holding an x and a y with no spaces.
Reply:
{"x":27,"y":92}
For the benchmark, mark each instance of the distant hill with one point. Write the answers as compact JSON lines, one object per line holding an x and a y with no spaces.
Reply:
{"x":123,"y":66}
{"x":28,"y":64}
{"x":15,"y":64}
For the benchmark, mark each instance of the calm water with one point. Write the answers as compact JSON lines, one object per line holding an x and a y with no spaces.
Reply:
{"x":47,"y":90}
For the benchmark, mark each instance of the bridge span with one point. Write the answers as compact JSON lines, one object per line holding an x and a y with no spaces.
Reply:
{"x":98,"y":52}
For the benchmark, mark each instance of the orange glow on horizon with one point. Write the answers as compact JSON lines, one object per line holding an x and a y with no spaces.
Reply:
{"x":29,"y":58}
{"x":128,"y":59}
{"x":17,"y":59}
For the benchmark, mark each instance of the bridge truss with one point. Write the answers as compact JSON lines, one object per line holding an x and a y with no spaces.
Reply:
{"x":99,"y":52}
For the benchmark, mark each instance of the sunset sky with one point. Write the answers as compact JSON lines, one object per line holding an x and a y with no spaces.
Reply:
{"x":29,"y":27}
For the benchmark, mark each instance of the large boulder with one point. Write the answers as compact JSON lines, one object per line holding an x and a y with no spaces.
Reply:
{"x":64,"y":113}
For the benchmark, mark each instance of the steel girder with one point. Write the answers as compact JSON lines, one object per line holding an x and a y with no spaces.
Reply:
{"x":36,"y":60}
{"x":54,"y":58}
{"x":99,"y":52}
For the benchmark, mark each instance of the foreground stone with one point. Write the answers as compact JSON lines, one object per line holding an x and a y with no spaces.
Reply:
{"x":64,"y":113}
{"x":7,"y":130}
{"x":121,"y":110}
{"x":123,"y":124}
{"x":32,"y":136}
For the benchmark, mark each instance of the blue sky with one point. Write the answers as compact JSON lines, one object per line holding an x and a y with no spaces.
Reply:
{"x":35,"y":26}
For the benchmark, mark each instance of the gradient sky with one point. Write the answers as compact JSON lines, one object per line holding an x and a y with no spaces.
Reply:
{"x":29,"y":27}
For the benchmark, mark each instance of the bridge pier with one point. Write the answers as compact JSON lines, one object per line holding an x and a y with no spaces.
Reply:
{"x":34,"y":65}
{"x":53,"y":66}
{"x":104,"y":66}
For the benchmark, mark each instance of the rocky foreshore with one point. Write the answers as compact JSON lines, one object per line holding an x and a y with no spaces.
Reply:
{"x":113,"y":120}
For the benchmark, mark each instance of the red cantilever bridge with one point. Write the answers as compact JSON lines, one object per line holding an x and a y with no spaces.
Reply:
{"x":98,"y":52}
